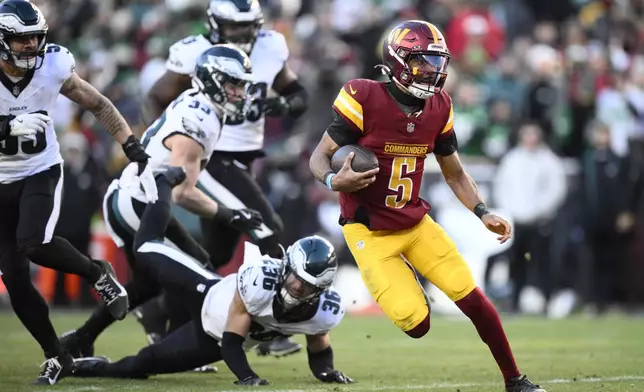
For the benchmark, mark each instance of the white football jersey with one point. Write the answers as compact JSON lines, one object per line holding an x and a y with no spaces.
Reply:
{"x":192,"y":114}
{"x":268,"y":56}
{"x":256,"y":280}
{"x":21,"y":157}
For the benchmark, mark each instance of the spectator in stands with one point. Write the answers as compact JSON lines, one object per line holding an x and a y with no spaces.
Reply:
{"x":608,"y":212}
{"x":530,"y":186}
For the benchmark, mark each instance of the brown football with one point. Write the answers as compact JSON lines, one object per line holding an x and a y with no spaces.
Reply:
{"x":363,"y":159}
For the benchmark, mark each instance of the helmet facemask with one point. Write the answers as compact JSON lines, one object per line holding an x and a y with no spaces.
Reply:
{"x":424,"y":73}
{"x":228,"y":25}
{"x":295,"y":291}
{"x":24,"y":59}
{"x":227,"y":92}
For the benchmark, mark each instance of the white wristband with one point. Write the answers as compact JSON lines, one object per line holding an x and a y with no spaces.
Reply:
{"x":328,"y":180}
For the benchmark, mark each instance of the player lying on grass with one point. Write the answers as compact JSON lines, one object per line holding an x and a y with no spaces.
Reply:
{"x":267,"y":299}
{"x":385,"y":222}
{"x":184,"y":135}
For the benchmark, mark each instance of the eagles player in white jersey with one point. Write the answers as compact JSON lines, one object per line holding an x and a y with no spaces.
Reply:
{"x":32,"y":74}
{"x":266,"y":299}
{"x":184,"y":136}
{"x":228,"y":178}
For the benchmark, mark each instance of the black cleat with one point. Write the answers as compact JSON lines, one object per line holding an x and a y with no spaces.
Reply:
{"x":111,"y":291}
{"x":89,"y":366}
{"x":54,"y":369}
{"x":151,"y":325}
{"x":175,"y":175}
{"x":279,"y":347}
{"x":522,"y":384}
{"x":77,"y":347}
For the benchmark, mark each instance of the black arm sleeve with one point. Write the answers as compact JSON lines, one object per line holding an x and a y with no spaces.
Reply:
{"x":446,"y":145}
{"x":297,"y":98}
{"x":321,"y":362}
{"x":234,"y":355}
{"x":341,"y":132}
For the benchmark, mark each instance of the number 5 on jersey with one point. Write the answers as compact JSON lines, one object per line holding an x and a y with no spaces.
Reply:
{"x":403,"y":186}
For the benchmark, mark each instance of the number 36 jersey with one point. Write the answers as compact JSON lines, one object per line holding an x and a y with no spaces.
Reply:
{"x":256,"y":282}
{"x":21,"y":157}
{"x":267,"y":58}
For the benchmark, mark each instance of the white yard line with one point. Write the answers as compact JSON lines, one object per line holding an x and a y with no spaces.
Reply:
{"x":358,"y":387}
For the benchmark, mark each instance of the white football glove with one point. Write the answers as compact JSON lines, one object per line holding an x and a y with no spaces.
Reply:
{"x":148,"y":184}
{"x":131,"y":179}
{"x":28,"y":124}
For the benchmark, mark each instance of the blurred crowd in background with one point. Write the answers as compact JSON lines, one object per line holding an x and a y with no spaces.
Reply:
{"x":549,"y":113}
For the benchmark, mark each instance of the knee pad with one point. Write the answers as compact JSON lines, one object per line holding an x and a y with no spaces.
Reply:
{"x":411,"y":317}
{"x":421,"y":329}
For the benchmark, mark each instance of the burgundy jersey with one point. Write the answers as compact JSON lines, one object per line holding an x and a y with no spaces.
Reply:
{"x":401,"y":142}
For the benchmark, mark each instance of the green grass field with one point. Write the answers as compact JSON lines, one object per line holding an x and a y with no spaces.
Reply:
{"x":580,"y":354}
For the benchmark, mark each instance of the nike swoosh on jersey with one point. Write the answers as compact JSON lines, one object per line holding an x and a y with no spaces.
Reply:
{"x":353,"y":92}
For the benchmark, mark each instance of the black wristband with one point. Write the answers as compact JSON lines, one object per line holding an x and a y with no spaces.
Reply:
{"x":233,"y":354}
{"x":480,"y":210}
{"x":321,"y":362}
{"x":224,"y":214}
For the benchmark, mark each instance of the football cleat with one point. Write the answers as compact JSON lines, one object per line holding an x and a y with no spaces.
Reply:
{"x":111,"y":291}
{"x":74,"y":345}
{"x":89,"y":366}
{"x":278,"y":347}
{"x":54,"y":369}
{"x":522,"y":384}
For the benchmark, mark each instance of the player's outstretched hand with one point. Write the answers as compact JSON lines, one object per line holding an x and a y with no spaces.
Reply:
{"x":347,"y":180}
{"x":135,"y":152}
{"x":498,"y":225}
{"x":335,"y":376}
{"x":252,"y":381}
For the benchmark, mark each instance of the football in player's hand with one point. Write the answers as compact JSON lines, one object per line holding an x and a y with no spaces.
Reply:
{"x":363,"y":159}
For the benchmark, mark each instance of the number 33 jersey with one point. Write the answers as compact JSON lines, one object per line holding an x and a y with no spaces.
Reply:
{"x":268,"y":56}
{"x":21,"y":157}
{"x":256,"y":282}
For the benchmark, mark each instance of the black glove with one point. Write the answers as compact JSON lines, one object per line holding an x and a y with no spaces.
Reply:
{"x":334,"y":376}
{"x":276,"y":106}
{"x":252,"y":381}
{"x":244,"y":220}
{"x":135,"y":152}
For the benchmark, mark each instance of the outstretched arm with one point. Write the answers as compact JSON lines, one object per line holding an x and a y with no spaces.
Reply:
{"x":459,"y":181}
{"x":320,"y":354}
{"x":85,"y":95}
{"x":467,"y":192}
{"x":237,"y":328}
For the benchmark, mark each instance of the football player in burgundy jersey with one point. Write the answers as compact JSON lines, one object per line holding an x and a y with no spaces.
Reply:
{"x":384,"y":221}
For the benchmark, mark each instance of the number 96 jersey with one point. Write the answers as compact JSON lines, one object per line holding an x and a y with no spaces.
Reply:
{"x":257,"y":285}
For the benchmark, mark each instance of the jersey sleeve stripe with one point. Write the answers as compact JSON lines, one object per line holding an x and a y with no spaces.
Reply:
{"x":450,"y":121}
{"x":349,"y":108}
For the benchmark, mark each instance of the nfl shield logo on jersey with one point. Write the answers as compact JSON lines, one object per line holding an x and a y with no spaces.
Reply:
{"x":410,"y":127}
